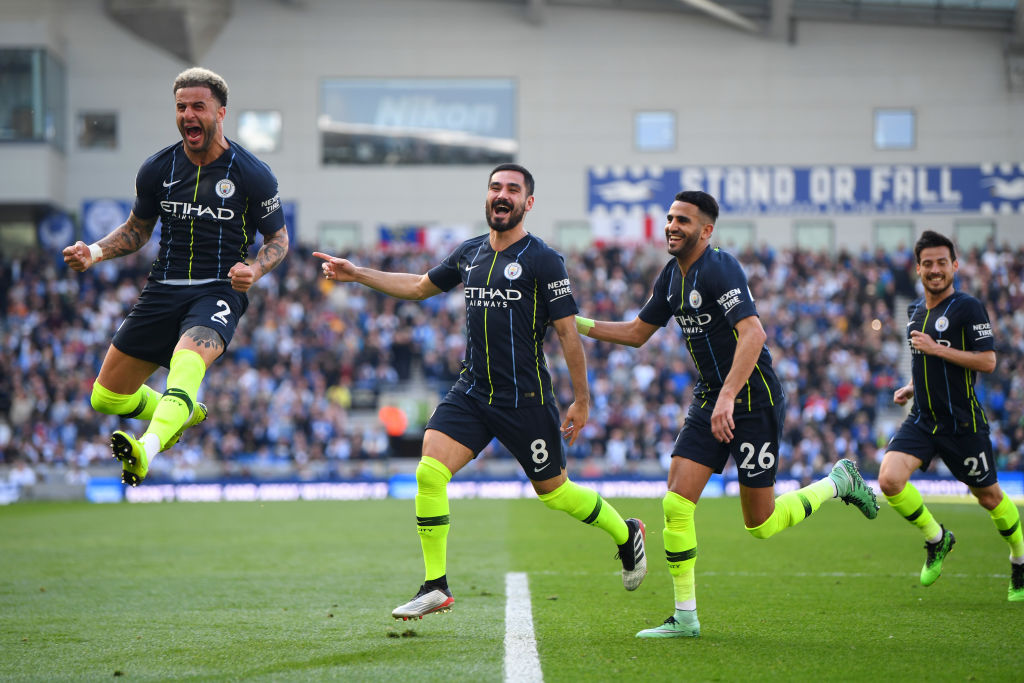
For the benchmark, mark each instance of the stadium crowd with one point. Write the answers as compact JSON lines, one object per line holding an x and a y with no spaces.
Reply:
{"x":294,"y":395}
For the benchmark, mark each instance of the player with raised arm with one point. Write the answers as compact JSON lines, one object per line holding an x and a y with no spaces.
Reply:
{"x":738,"y":402}
{"x":514,"y":287}
{"x":951,"y":341}
{"x":211,"y":197}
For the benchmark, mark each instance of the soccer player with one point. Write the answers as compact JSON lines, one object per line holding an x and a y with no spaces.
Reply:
{"x":738,"y":402}
{"x":211,"y":197}
{"x":951,"y":341}
{"x":514,"y":287}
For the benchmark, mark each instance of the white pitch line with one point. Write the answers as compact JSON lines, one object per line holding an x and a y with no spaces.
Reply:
{"x":522,"y":664}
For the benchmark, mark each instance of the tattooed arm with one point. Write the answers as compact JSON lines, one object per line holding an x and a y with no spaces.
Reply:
{"x":127,"y":238}
{"x":273,"y":251}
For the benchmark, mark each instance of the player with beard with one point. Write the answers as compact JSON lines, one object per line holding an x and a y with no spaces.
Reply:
{"x":738,"y":403}
{"x":211,"y":197}
{"x":515,"y":285}
{"x":951,"y":341}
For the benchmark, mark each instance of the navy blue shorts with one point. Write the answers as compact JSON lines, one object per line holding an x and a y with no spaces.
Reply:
{"x":754,"y":445}
{"x":968,"y":456}
{"x":164,"y":312}
{"x":531,"y":434}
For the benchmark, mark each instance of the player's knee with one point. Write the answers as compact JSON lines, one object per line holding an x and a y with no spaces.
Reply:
{"x":890,"y":483}
{"x":430,"y":478}
{"x":989,"y":498}
{"x":105,"y":401}
{"x":678,"y":510}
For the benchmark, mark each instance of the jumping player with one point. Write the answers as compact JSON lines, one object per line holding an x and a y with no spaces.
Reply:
{"x":211,"y":197}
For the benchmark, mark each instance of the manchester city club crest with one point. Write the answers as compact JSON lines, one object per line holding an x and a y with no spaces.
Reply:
{"x":225,"y":188}
{"x":513,"y":271}
{"x":942,"y":324}
{"x":695,"y":299}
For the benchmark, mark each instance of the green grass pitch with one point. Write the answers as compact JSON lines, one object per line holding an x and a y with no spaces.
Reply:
{"x":303,"y":591}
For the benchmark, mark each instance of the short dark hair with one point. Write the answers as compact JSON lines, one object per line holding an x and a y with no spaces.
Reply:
{"x":198,"y":77}
{"x":930,"y":238}
{"x":527,"y":176}
{"x":702,"y":200}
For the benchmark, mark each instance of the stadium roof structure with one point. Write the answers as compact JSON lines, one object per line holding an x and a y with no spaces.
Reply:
{"x":757,"y":15}
{"x":187,"y":27}
{"x":779,"y":19}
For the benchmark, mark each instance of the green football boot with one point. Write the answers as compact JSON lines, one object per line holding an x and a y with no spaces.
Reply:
{"x":1015,"y":593}
{"x":686,"y":626}
{"x":129,"y":450}
{"x":852,"y":489}
{"x":199,"y":412}
{"x":936,"y":554}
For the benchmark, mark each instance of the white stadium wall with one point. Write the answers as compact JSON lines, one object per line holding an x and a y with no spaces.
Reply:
{"x":581,"y":74}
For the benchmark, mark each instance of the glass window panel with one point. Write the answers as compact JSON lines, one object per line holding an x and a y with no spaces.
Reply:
{"x":894,"y":235}
{"x":341,"y":236}
{"x":817,"y":236}
{"x":574,"y":236}
{"x":32,"y":97}
{"x":418,"y":121}
{"x":973,"y":233}
{"x":654,"y":131}
{"x":894,"y":129}
{"x":734,"y":236}
{"x":260,"y":131}
{"x":97,"y":130}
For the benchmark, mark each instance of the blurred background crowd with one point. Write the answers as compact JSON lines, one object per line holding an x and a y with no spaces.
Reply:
{"x":297,"y":395}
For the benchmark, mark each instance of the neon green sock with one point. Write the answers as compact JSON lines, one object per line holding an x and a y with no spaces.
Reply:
{"x":433,"y":518}
{"x":794,"y":507}
{"x":1007,"y":520}
{"x":139,"y":405}
{"x":910,"y":504}
{"x":587,"y":506}
{"x":680,"y":537}
{"x":184,"y":376}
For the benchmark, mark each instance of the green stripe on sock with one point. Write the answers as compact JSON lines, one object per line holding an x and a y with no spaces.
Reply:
{"x":1009,"y":532}
{"x":143,"y":400}
{"x":433,"y":521}
{"x":807,"y":505}
{"x":181,"y":395}
{"x":681,"y":556}
{"x":597,"y":511}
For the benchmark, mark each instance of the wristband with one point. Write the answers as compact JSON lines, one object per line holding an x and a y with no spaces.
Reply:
{"x":96,"y":251}
{"x":583,"y":325}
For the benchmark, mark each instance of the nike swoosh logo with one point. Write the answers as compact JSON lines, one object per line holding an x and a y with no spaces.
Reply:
{"x":537,"y":469}
{"x":168,"y":184}
{"x":469,"y":268}
{"x":754,"y":474}
{"x":559,"y":297}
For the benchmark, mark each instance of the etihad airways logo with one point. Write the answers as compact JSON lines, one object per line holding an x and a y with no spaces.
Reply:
{"x":188,"y":210}
{"x":693,"y":324}
{"x":491,"y":297}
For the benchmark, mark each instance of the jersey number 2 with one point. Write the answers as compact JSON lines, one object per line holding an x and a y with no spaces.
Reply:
{"x":221,"y":316}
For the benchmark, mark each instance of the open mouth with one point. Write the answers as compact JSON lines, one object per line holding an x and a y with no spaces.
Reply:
{"x":193,"y":133}
{"x":501,"y":209}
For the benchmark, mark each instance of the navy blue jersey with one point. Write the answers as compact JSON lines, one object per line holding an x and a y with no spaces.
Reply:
{"x":511,"y":297}
{"x":707,"y":304}
{"x":209,"y":215}
{"x":944,"y":399}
